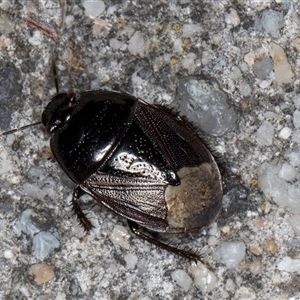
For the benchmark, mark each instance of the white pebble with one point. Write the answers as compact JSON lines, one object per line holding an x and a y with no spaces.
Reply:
{"x":230,"y":286}
{"x":289,"y":264}
{"x":177,"y":45}
{"x":285,"y":133}
{"x":264,"y":135}
{"x":283,"y":70}
{"x":216,"y":39}
{"x":168,"y":287}
{"x":287,"y":172}
{"x":189,"y":30}
{"x":235,"y":73}
{"x":115,"y":43}
{"x":188,"y":62}
{"x":296,"y":101}
{"x":265,"y":83}
{"x":93,"y":8}
{"x":205,"y":279}
{"x":120,"y":236}
{"x":205,"y":57}
{"x":293,"y":156}
{"x":284,"y":194}
{"x":231,"y":253}
{"x":182,"y":279}
{"x":131,"y":260}
{"x":245,"y":89}
{"x":137,"y":45}
{"x":232,"y":18}
{"x":8,"y":254}
{"x":245,"y":293}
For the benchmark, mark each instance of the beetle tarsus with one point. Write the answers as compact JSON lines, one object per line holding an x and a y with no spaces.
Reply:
{"x":181,"y":252}
{"x":83,"y":220}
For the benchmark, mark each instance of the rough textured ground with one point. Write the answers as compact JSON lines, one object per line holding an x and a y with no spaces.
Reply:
{"x":145,"y":48}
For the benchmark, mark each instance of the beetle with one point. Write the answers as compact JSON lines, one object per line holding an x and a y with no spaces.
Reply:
{"x":144,"y":162}
{"x":141,"y":161}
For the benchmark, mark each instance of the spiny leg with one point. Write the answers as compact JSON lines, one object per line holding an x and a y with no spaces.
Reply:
{"x":181,"y":252}
{"x":83,"y":220}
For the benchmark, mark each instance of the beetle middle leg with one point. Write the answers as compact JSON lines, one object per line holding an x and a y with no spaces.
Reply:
{"x":134,"y":227}
{"x":83,"y":220}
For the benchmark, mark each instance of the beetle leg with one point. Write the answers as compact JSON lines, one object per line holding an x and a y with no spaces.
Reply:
{"x":181,"y":252}
{"x":83,"y":220}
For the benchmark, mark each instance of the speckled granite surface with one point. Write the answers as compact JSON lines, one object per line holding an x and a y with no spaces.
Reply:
{"x":253,"y":53}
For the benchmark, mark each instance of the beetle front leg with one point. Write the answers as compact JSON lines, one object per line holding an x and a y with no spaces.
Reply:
{"x":83,"y":220}
{"x":181,"y":252}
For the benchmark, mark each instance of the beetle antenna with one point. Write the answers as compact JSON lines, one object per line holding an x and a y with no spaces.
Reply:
{"x":19,"y":128}
{"x":55,"y":75}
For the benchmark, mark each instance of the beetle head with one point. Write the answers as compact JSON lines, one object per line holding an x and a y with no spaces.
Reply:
{"x":58,"y":111}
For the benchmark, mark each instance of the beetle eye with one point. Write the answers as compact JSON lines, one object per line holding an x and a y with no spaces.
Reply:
{"x":59,"y":111}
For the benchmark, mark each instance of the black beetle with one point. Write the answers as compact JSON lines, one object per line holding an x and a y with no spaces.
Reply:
{"x":141,"y":161}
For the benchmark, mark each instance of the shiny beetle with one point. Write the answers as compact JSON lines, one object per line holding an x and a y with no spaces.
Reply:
{"x":141,"y":161}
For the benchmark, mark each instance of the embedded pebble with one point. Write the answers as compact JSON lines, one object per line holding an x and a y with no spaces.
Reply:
{"x":34,"y":225}
{"x":265,"y":133}
{"x":270,"y":246}
{"x":285,"y":133}
{"x":245,"y":89}
{"x":294,"y":221}
{"x":271,"y":21}
{"x":287,"y":172}
{"x":137,"y":44}
{"x":93,"y":8}
{"x":177,"y":46}
{"x":236,"y":73}
{"x":232,"y":18}
{"x":24,"y":223}
{"x":115,"y":43}
{"x":142,"y":267}
{"x":8,"y":254}
{"x":284,"y":194}
{"x":182,"y":279}
{"x":120,"y":236}
{"x":255,"y":249}
{"x":205,"y":279}
{"x":44,"y":243}
{"x":231,"y":253}
{"x":230,"y":286}
{"x":131,"y":260}
{"x":255,"y":267}
{"x":296,"y":118}
{"x":289,"y":264}
{"x":276,"y":279}
{"x":188,"y":62}
{"x":296,"y":100}
{"x":262,"y":67}
{"x":245,"y":293}
{"x":293,"y":156}
{"x":283,"y":70}
{"x":189,"y":30}
{"x":206,"y":105}
{"x":42,"y":273}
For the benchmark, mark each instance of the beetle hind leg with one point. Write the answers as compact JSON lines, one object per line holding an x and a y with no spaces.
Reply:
{"x":83,"y":220}
{"x":181,"y":252}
